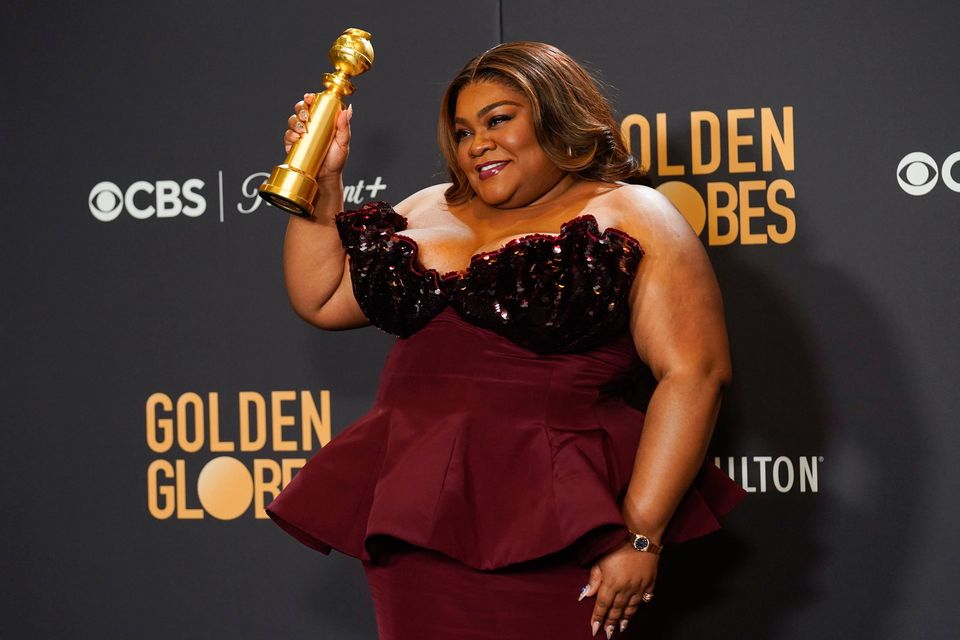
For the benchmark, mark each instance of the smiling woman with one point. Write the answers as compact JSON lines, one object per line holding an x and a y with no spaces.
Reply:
{"x":571,"y":120}
{"x":495,"y":137}
{"x":501,"y":486}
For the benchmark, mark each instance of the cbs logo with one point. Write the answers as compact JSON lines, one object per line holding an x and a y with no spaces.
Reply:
{"x":917,"y":173}
{"x":142,"y":199}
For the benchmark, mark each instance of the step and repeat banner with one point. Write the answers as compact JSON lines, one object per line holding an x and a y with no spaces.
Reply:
{"x":159,"y":391}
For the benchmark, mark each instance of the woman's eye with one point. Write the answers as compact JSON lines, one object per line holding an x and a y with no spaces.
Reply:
{"x":495,"y":120}
{"x":460,"y":134}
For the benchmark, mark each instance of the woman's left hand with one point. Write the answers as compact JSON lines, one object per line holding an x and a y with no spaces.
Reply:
{"x":619,"y":580}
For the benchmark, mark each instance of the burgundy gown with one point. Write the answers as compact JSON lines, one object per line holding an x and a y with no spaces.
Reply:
{"x":490,"y":471}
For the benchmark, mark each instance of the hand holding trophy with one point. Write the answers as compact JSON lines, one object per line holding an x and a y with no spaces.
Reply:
{"x":292,"y":185}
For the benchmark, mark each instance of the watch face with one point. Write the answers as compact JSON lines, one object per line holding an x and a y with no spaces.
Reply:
{"x":640,"y":543}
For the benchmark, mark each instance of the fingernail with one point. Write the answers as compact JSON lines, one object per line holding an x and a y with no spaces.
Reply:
{"x":299,"y":127}
{"x":583,"y":593}
{"x":609,"y":631}
{"x":595,"y":626}
{"x":623,"y":625}
{"x":304,"y":115}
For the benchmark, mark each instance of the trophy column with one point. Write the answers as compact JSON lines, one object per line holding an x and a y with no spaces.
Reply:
{"x":292,"y":186}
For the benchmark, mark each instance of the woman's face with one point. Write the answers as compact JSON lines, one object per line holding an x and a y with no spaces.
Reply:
{"x":497,"y":146}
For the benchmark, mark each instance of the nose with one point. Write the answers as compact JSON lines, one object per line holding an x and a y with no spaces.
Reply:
{"x":480,"y":144}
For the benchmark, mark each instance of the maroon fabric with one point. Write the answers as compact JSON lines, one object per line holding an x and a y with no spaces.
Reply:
{"x":421,"y":594}
{"x":488,"y":453}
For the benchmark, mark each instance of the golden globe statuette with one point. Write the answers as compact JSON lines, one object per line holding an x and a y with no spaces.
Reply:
{"x":292,"y":186}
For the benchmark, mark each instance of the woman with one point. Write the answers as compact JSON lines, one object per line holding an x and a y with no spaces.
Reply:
{"x":500,"y":458}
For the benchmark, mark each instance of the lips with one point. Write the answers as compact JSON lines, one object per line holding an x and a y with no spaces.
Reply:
{"x":489,"y":169}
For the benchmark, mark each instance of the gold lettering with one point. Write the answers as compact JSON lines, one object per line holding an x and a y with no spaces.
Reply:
{"x":697,"y":120}
{"x":664,"y":168}
{"x":195,"y":403}
{"x":159,"y":430}
{"x":790,"y":230}
{"x":749,"y":212}
{"x":213,"y":408}
{"x":716,"y":211}
{"x":183,"y":511}
{"x":771,"y":135}
{"x":252,"y":400}
{"x":735,"y":140}
{"x":279,"y":420}
{"x":160,"y":498}
{"x":262,"y":486}
{"x":314,"y":422}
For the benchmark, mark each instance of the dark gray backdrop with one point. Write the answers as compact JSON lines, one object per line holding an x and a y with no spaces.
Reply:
{"x":844,"y":338}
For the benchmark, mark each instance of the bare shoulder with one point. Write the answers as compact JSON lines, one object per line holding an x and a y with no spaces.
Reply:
{"x":426,"y":202}
{"x":647,"y":215}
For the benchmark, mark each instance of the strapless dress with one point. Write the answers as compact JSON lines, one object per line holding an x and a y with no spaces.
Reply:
{"x":506,"y":420}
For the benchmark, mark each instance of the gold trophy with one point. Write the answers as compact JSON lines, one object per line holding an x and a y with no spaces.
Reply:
{"x":292,"y":186}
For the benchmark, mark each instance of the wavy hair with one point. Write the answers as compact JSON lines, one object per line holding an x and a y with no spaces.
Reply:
{"x":573,"y":121}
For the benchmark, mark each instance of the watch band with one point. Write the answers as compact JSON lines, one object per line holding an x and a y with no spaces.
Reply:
{"x":642,"y":543}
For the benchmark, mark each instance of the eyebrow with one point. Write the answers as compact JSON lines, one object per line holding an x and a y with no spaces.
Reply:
{"x":489,"y":108}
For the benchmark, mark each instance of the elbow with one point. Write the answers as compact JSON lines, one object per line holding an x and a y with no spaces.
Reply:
{"x":717,"y":372}
{"x":333,"y":315}
{"x":312,"y":314}
{"x":722,"y":374}
{"x":714,"y":374}
{"x":315,"y":317}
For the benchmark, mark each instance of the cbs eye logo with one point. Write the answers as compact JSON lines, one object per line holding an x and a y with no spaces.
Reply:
{"x":142,"y":199}
{"x":917,"y":173}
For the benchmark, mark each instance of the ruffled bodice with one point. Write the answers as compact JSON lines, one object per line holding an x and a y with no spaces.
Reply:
{"x":485,"y":442}
{"x":551,"y":294}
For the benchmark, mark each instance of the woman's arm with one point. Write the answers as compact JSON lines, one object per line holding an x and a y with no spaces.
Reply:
{"x":679,"y":331}
{"x":315,"y":266}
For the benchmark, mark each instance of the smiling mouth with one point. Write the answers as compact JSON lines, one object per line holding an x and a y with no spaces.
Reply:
{"x":490,"y":169}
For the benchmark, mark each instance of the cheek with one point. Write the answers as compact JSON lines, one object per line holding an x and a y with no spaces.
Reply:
{"x":529,"y":148}
{"x":463,"y":159}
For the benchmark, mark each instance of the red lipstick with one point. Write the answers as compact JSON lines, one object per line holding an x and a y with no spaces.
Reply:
{"x":490,"y":169}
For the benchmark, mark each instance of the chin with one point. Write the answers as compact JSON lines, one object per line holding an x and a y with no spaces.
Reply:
{"x":495,"y":199}
{"x":502,"y":203}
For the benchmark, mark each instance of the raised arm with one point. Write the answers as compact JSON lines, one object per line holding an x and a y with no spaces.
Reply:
{"x":679,"y":331}
{"x":315,"y":266}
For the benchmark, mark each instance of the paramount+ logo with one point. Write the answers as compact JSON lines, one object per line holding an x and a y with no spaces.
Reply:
{"x":918,"y":173}
{"x":725,"y":172}
{"x":206,"y":466}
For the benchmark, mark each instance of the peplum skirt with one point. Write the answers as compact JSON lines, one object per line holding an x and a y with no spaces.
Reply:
{"x":482,"y":484}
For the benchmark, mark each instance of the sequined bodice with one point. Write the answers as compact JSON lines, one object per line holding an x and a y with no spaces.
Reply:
{"x":550,"y":294}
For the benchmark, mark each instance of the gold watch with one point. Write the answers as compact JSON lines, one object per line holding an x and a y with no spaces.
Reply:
{"x":642,"y":543}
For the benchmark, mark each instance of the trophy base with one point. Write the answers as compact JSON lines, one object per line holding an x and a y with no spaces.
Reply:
{"x":290,"y":190}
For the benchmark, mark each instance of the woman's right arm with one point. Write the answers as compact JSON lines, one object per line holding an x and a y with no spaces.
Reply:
{"x":315,"y":266}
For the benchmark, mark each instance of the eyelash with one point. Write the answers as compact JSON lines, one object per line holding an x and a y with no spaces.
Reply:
{"x":460,"y":134}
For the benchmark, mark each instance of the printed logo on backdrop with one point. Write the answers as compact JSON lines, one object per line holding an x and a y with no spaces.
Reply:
{"x":918,"y":173}
{"x":779,"y":474}
{"x":163,"y":199}
{"x":209,"y":465}
{"x":725,"y":173}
